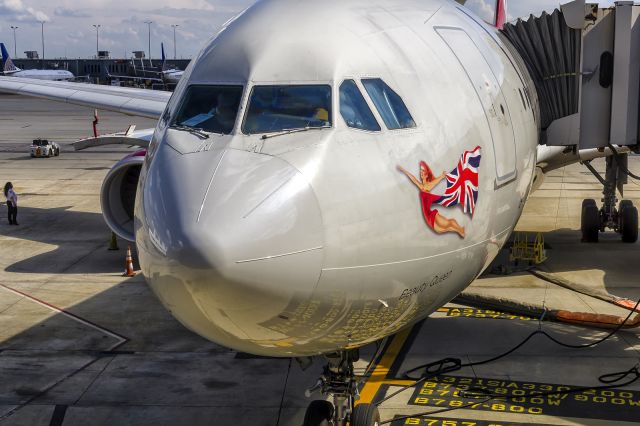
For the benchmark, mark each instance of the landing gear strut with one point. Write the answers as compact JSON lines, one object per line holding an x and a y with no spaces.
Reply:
{"x":338,"y":380}
{"x":624,"y":218}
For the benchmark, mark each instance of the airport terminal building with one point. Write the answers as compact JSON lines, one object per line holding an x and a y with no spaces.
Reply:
{"x":103,"y":70}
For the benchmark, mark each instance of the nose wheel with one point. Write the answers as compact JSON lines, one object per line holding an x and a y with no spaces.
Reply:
{"x":365,"y":415}
{"x":338,"y":381}
{"x":319,"y":413}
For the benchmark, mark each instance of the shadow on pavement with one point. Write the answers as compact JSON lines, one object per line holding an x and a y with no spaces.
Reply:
{"x":68,"y":239}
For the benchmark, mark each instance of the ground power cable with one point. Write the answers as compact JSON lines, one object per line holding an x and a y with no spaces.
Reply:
{"x":447,"y":365}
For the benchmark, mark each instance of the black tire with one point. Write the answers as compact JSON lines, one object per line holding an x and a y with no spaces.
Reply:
{"x":585,"y":203}
{"x":588,"y":201}
{"x":590,"y":223}
{"x":57,"y":152}
{"x":365,"y":415}
{"x":629,"y":222}
{"x":623,"y":204}
{"x":319,"y":413}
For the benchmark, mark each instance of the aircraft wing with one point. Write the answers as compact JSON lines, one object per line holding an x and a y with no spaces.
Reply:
{"x":139,"y":102}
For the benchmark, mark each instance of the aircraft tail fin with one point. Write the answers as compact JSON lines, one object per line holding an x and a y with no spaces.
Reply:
{"x":7,"y":64}
{"x":501,"y":13}
{"x":164,"y":65}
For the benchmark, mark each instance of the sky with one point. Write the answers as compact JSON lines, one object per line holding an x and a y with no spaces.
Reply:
{"x":69,"y":31}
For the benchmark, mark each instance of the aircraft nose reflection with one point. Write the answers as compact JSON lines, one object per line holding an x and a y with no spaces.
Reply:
{"x":251,"y":246}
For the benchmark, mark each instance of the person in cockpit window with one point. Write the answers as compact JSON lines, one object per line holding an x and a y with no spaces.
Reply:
{"x":225,"y":111}
{"x":221,"y":117}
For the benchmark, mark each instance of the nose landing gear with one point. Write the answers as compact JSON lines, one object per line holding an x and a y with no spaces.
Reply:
{"x":339,"y":381}
{"x":622,"y":219}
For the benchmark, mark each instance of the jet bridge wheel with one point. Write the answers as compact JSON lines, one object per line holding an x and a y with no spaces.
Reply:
{"x":629,"y":222}
{"x":590,"y":221}
{"x":319,"y":413}
{"x":365,"y":415}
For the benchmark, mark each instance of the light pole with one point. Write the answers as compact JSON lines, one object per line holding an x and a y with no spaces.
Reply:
{"x":149,"y":24}
{"x":97,"y":27}
{"x":15,"y":45}
{"x":175,"y":56}
{"x":42,"y":24}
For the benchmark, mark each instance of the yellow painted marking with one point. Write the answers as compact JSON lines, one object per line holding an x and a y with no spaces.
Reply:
{"x":379,"y":375}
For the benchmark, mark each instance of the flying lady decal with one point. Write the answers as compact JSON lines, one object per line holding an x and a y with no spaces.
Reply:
{"x":461,"y":190}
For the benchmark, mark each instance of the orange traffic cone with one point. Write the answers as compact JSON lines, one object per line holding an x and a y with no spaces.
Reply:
{"x":128,"y":269}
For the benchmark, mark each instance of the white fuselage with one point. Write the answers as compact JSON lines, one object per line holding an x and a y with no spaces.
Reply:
{"x":54,"y":75}
{"x":172,"y":76}
{"x":313,"y":242}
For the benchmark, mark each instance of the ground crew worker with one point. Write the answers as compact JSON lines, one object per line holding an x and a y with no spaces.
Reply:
{"x":12,"y":203}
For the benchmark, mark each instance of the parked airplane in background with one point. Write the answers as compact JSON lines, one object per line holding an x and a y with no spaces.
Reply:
{"x":169,"y":75}
{"x":11,"y":70}
{"x":324,"y":177}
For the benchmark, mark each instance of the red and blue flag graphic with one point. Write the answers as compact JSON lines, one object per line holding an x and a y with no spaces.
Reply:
{"x":462,"y":183}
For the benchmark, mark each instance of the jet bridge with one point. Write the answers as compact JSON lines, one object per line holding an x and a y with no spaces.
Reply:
{"x":585,"y":63}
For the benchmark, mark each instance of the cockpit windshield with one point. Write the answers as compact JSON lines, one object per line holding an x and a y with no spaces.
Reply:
{"x":209,"y":108}
{"x":281,"y":108}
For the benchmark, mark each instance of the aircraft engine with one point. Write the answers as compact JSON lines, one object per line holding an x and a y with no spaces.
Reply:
{"x":118,"y":194}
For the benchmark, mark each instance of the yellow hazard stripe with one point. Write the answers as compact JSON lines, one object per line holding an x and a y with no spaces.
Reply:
{"x":379,"y":375}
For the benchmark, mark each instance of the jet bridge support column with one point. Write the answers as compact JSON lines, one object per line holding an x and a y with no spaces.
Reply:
{"x":610,"y":105}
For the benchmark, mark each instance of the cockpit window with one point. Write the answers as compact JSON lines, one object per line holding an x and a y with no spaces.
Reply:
{"x":209,"y":108}
{"x":354,"y":108}
{"x":280,"y":108}
{"x":393,"y":111}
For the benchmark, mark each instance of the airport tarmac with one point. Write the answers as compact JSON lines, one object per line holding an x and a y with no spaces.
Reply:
{"x":79,"y":344}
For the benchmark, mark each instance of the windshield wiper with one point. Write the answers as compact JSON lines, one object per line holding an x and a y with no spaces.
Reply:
{"x":289,"y":131}
{"x":198,"y":131}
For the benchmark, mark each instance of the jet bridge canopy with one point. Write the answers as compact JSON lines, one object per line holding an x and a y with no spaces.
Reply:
{"x":585,"y":62}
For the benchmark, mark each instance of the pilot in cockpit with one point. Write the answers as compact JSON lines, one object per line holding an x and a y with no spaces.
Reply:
{"x":219,"y":118}
{"x":224,"y":112}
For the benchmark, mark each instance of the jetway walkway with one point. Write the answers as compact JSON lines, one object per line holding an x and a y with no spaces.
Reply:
{"x":585,"y":62}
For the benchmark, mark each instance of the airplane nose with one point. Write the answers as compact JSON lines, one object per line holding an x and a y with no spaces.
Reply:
{"x":228,"y":240}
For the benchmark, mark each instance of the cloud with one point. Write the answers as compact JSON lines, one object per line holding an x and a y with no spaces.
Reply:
{"x":485,"y":9}
{"x":18,"y":11}
{"x":70,"y":13}
{"x":69,"y":32}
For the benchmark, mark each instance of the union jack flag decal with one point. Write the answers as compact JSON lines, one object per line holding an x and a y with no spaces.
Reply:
{"x":462,"y":183}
